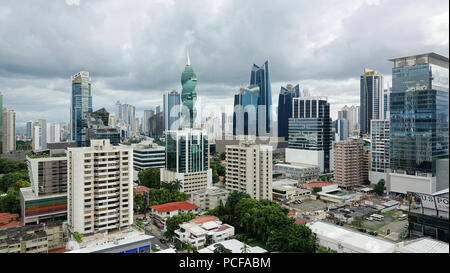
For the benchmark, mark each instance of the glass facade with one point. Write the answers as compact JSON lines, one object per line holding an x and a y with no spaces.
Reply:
{"x":285,"y":108}
{"x":81,"y":105}
{"x":245,"y":112}
{"x":188,"y":94}
{"x":172,"y":110}
{"x":187,"y":151}
{"x":419,"y":115}
{"x":311,"y":127}
{"x":260,"y":77}
{"x":371,"y":86}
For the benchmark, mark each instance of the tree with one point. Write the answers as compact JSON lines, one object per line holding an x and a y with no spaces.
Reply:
{"x":379,"y":187}
{"x":22,"y":184}
{"x":245,"y":248}
{"x":219,"y":248}
{"x":139,"y":204}
{"x":358,"y":221}
{"x":317,"y":189}
{"x":150,"y":178}
{"x":10,"y":202}
{"x":9,"y":179}
{"x":292,"y":237}
{"x":173,"y":223}
{"x":222,"y":156}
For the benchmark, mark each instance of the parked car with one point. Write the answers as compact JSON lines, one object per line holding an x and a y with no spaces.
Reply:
{"x":162,"y":240}
{"x":362,"y":229}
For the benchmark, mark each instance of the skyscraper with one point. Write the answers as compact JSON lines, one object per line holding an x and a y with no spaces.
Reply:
{"x":1,"y":124}
{"x":419,"y":113}
{"x":172,"y":110}
{"x":245,"y":113}
{"x":285,"y":108}
{"x":260,"y":77}
{"x":371,"y":94}
{"x":188,"y":94}
{"x":379,"y":149}
{"x":350,"y":163}
{"x":310,"y":133}
{"x":341,"y":128}
{"x":81,"y":102}
{"x":39,"y":135}
{"x":29,"y":129}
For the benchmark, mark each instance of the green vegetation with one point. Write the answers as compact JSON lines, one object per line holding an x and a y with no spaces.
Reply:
{"x":14,"y":175}
{"x":169,"y":192}
{"x":159,"y":142}
{"x":32,"y":155}
{"x":317,"y":189}
{"x":379,"y":187}
{"x":264,"y":221}
{"x":8,"y":166}
{"x":78,"y":237}
{"x":324,"y":250}
{"x":222,"y":156}
{"x":150,"y":178}
{"x":358,"y":221}
{"x":217,"y":169}
{"x":326,"y":178}
{"x":132,"y":141}
{"x":138,"y":203}
{"x":219,"y":248}
{"x":23,"y":145}
{"x":173,"y":223}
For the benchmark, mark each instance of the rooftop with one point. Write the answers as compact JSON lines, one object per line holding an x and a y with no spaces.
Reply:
{"x":423,"y":245}
{"x":204,"y":219}
{"x":234,"y":245}
{"x":182,"y":205}
{"x":317,"y":184}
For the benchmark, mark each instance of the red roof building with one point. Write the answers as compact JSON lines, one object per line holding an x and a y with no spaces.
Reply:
{"x":141,"y":189}
{"x":203,"y":219}
{"x":174,"y":206}
{"x":301,"y":221}
{"x":10,"y":220}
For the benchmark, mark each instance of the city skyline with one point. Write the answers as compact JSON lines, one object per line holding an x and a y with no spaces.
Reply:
{"x":138,"y":66}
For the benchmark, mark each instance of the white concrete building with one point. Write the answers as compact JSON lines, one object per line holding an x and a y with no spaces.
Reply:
{"x":9,"y":130}
{"x":209,"y":198}
{"x":161,"y":213}
{"x":196,"y":231}
{"x":100,"y":187}
{"x":403,"y":183}
{"x":249,"y":169}
{"x":379,"y":150}
{"x":235,"y":246}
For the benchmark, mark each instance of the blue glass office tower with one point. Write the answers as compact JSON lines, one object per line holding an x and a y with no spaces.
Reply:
{"x":81,"y":104}
{"x":285,"y":108}
{"x":260,"y":77}
{"x":419,"y":113}
{"x":371,"y":93}
{"x":172,"y":110}
{"x":245,"y":114}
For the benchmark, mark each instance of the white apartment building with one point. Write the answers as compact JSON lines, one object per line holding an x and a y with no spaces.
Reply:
{"x":379,"y":150}
{"x":100,"y":187}
{"x":9,"y":130}
{"x":249,"y":169}
{"x":196,"y":231}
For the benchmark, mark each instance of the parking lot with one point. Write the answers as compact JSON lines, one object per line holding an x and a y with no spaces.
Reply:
{"x":309,"y":205}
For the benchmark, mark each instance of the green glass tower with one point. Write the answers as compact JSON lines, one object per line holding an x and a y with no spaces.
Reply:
{"x":188,"y":94}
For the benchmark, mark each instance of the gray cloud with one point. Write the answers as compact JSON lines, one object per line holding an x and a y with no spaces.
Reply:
{"x":135,"y":50}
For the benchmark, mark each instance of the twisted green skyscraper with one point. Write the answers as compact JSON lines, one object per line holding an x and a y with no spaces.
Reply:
{"x":188,"y":94}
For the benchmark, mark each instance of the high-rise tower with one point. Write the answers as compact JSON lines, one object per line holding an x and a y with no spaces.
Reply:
{"x":188,"y":94}
{"x":81,"y":105}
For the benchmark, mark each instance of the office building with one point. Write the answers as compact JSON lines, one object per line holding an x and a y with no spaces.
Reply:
{"x":172,"y":110}
{"x":310,"y":133}
{"x":371,"y":99}
{"x":156,"y":125}
{"x":29,"y":129}
{"x":100,"y":187}
{"x":260,"y":77}
{"x":249,"y":169}
{"x":245,"y":112}
{"x":188,"y":94}
{"x":148,"y":156}
{"x":1,"y":124}
{"x":187,"y":159}
{"x":379,"y":150}
{"x":146,"y":122}
{"x":350,"y":163}
{"x":341,"y":127}
{"x":285,"y":108}
{"x":81,"y":104}
{"x":419,"y":113}
{"x":300,"y":172}
{"x":8,"y":130}
{"x":53,"y":132}
{"x":97,"y":128}
{"x":112,"y":120}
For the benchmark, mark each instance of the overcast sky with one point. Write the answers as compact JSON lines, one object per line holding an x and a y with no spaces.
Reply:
{"x":135,"y":50}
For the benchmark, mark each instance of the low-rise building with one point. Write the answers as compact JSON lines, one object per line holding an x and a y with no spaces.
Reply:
{"x":8,"y":220}
{"x":198,"y":230}
{"x":301,"y":172}
{"x":32,"y":238}
{"x":160,"y":213}
{"x":209,"y":198}
{"x":286,"y":190}
{"x":235,"y":246}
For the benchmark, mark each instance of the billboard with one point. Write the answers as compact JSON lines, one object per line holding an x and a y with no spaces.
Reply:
{"x":428,"y":201}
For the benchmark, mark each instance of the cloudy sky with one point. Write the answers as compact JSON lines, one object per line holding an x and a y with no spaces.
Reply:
{"x":135,"y":50}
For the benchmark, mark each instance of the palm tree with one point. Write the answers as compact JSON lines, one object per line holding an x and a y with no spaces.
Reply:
{"x":176,"y":185}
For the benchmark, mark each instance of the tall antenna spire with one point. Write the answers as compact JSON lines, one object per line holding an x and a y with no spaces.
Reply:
{"x":188,"y":60}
